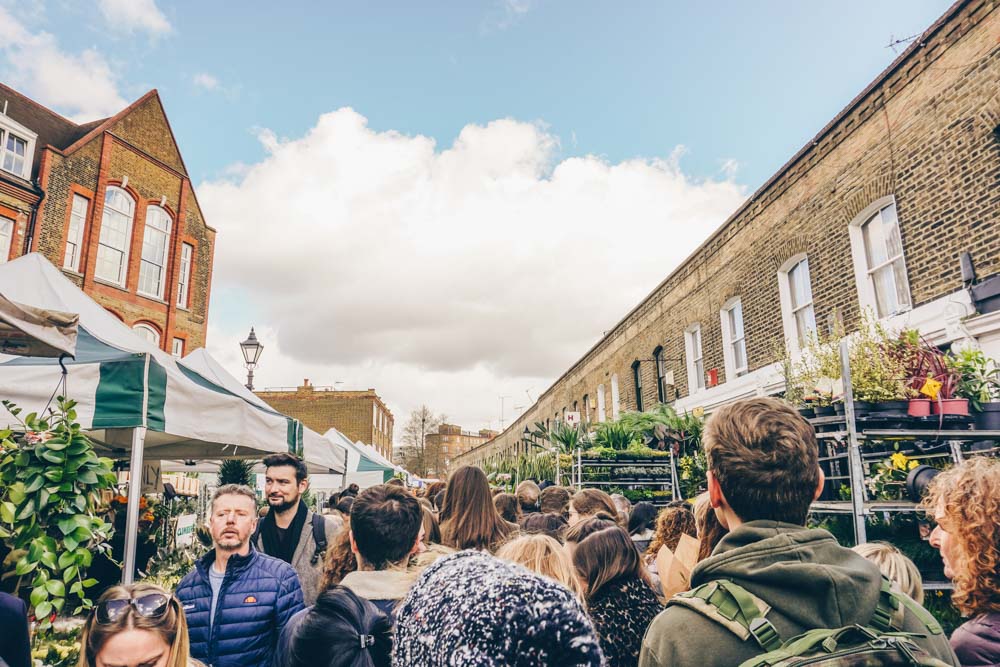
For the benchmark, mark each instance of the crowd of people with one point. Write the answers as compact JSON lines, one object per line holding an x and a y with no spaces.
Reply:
{"x":460,"y":574}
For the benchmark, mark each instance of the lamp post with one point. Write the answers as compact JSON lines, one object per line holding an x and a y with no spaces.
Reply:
{"x":251,"y":349}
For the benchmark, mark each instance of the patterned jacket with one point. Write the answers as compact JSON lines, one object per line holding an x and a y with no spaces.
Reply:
{"x":258,"y":596}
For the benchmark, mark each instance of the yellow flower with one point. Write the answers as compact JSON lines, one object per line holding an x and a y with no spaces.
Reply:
{"x":899,"y":460}
{"x":912,"y":465}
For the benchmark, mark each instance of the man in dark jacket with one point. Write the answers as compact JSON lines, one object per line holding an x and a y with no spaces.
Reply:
{"x":290,"y":529}
{"x":386,"y":528}
{"x":763,"y":473}
{"x":15,"y":649}
{"x":237,"y":599}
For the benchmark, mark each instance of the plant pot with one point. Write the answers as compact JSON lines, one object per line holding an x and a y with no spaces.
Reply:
{"x":838,"y":408}
{"x":951,"y":406}
{"x":890,"y":408}
{"x":919,"y":407}
{"x":807,"y":412}
{"x":989,"y":418}
{"x":862,"y":408}
{"x":823,"y":410}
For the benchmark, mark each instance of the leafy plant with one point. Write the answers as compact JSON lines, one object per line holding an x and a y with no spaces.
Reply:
{"x":237,"y":471}
{"x":978,"y":377}
{"x":59,"y":645}
{"x":169,"y":566}
{"x":877,"y":375}
{"x":888,"y":481}
{"x":52,"y":483}
{"x":615,"y":435}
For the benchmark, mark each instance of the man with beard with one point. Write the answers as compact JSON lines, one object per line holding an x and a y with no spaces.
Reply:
{"x":290,"y":531}
{"x":236,"y":599}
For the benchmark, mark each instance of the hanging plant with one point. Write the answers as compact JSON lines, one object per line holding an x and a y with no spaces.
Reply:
{"x":52,"y":482}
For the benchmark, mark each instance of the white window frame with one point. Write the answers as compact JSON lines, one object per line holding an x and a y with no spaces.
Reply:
{"x":637,"y":381}
{"x":730,"y":339}
{"x":862,"y":272}
{"x":184,"y":275}
{"x":615,"y":397}
{"x":177,"y":343}
{"x":9,"y":125}
{"x":693,"y":354}
{"x":123,"y":266}
{"x":586,"y":408}
{"x":75,"y":233}
{"x":602,"y":413}
{"x":150,"y":264}
{"x":661,"y":374}
{"x":6,"y":237}
{"x":142,"y":329}
{"x":789,"y":313}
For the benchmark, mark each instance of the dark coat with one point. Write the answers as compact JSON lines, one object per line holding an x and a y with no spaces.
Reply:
{"x":622,"y":610}
{"x":258,"y":596}
{"x":977,"y":641}
{"x":14,"y":646}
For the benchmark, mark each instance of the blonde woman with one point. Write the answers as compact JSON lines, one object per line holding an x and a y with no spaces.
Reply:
{"x":894,"y":566}
{"x":137,"y":625}
{"x":545,"y":556}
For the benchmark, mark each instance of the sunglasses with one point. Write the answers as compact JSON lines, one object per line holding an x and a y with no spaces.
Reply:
{"x":152,"y":605}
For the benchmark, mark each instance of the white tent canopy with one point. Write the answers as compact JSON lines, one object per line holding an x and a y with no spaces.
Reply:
{"x":133,"y":398}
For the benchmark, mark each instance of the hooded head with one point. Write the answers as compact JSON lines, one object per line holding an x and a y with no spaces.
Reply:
{"x":476,"y":610}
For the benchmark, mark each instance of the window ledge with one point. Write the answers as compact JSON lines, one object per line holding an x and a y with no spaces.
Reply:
{"x":72,"y":272}
{"x":108,"y":283}
{"x":151,"y":297}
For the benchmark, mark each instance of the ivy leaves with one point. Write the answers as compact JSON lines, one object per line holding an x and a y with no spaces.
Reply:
{"x":51,"y":482}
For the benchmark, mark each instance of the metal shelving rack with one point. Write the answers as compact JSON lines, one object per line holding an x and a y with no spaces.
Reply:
{"x":668,"y":481}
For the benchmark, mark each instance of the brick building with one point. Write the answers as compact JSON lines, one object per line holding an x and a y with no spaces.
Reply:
{"x":360,"y":415}
{"x":451,"y":441}
{"x":874,"y":212}
{"x":112,"y":204}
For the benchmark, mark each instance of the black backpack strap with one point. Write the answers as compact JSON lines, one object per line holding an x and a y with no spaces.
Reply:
{"x":319,"y":536}
{"x":735,"y":608}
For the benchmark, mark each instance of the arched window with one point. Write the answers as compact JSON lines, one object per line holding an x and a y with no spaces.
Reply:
{"x":661,"y":374}
{"x":615,"y":397}
{"x":877,"y":249}
{"x":734,"y":345}
{"x":155,"y":244}
{"x":601,"y":410}
{"x":695,"y":360}
{"x":148,"y":333}
{"x":116,"y":235}
{"x":637,"y":379}
{"x":795,"y":292}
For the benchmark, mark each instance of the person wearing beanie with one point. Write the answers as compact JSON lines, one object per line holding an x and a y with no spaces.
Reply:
{"x":475,"y":610}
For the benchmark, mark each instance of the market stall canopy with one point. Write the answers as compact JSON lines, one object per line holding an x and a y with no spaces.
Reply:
{"x":26,"y":331}
{"x":362,"y":468}
{"x":122,"y":382}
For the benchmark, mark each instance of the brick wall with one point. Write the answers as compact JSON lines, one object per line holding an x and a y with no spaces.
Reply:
{"x":924,"y":133}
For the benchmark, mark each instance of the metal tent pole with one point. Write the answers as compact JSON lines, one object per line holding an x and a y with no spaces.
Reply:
{"x":853,"y":449}
{"x":132,"y":509}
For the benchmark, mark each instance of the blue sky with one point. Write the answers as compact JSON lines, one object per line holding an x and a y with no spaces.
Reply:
{"x":447,"y":241}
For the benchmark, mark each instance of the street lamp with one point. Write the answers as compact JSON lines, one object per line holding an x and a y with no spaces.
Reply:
{"x":251,"y":349}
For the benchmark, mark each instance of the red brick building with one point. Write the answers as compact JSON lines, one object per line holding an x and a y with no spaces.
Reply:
{"x":111,"y":203}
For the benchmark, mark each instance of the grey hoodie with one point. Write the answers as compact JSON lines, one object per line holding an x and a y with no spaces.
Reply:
{"x":809,"y":580}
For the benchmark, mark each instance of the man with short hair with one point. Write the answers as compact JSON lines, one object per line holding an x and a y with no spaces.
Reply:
{"x":763,"y":473}
{"x":527,"y":496}
{"x":290,"y":530}
{"x":237,"y":599}
{"x":554,"y":500}
{"x":386,"y":528}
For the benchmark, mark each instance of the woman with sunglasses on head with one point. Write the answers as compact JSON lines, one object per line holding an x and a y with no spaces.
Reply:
{"x":136,"y":626}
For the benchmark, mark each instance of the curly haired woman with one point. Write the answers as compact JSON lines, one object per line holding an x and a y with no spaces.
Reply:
{"x":966,"y":505}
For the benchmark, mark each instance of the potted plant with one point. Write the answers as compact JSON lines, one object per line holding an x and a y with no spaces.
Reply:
{"x":979,"y":383}
{"x":921,"y":362}
{"x":878,"y":375}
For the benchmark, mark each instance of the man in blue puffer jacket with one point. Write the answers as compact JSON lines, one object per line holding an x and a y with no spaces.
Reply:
{"x":237,"y":600}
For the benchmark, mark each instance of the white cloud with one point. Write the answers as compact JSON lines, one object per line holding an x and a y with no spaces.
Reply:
{"x":131,"y":15}
{"x":206,"y":81}
{"x":506,"y":13}
{"x":443,"y":276}
{"x":82,"y":86}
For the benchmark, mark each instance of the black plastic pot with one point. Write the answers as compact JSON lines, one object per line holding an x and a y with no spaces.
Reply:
{"x":823,"y":410}
{"x":838,"y":407}
{"x":890,"y":408}
{"x":989,"y":418}
{"x":863,"y":408}
{"x":806,"y":412}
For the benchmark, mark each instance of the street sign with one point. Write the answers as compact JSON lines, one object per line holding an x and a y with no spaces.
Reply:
{"x":185,"y":530}
{"x":573,"y":418}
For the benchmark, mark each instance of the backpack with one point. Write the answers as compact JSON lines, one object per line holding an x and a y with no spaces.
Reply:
{"x":878,"y":643}
{"x":319,"y":537}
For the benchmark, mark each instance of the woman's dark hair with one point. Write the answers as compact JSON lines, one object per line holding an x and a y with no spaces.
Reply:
{"x":341,"y":630}
{"x":432,"y":530}
{"x":432,"y":491}
{"x":642,"y":518}
{"x":345,"y":505}
{"x":508,"y":506}
{"x":581,"y":531}
{"x":552,"y":525}
{"x":607,"y":556}
{"x":469,"y":519}
{"x":439,"y":500}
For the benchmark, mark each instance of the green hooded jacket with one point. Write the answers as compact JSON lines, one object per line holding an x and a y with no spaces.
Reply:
{"x":807,"y":578}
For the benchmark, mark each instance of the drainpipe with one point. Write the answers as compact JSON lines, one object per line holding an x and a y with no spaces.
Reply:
{"x":31,"y":225}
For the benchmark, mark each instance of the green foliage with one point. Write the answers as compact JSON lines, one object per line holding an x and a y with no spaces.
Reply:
{"x":169,"y":566}
{"x":59,"y":645}
{"x":616,"y":435}
{"x":237,"y":471}
{"x":979,"y":377}
{"x":693,"y":473}
{"x":51,"y":483}
{"x":309,"y":499}
{"x":877,"y":375}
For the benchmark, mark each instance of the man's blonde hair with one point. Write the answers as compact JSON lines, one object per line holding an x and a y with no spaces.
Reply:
{"x":527,"y":493}
{"x":765,"y":458}
{"x":895,"y":566}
